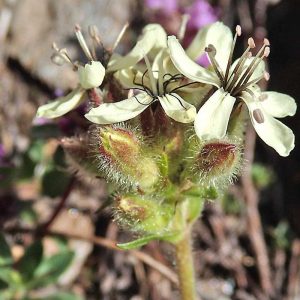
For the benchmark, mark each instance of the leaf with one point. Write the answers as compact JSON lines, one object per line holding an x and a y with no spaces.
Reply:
{"x":51,"y":268}
{"x":3,"y":284}
{"x":145,"y":240}
{"x":45,"y":131}
{"x":55,"y":264}
{"x":5,"y":254}
{"x":35,"y":152}
{"x":209,"y":193}
{"x":59,"y":296}
{"x":10,"y":276}
{"x":59,"y":157}
{"x":30,"y":260}
{"x":7,"y":175}
{"x":27,"y":213}
{"x":54,"y":182}
{"x":26,"y":170}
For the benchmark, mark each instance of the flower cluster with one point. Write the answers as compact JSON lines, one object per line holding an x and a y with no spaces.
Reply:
{"x":147,"y":101}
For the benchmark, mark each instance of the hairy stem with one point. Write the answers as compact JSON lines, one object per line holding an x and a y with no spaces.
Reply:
{"x":185,"y":267}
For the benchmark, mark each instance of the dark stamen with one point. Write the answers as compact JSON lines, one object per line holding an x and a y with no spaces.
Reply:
{"x":146,"y":104}
{"x":178,"y":100}
{"x":182,"y":86}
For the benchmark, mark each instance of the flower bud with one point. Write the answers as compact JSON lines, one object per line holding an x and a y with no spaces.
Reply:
{"x":217,"y":162}
{"x":143,"y":214}
{"x":123,"y":159}
{"x":91,"y":75}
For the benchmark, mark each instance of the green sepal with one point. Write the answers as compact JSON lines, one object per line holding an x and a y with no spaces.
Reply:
{"x":164,"y":164}
{"x":194,"y":208}
{"x":201,"y":192}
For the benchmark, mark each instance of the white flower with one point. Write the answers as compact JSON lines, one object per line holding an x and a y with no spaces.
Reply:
{"x":234,"y":81}
{"x":90,"y":76}
{"x":151,"y":41}
{"x":154,"y":86}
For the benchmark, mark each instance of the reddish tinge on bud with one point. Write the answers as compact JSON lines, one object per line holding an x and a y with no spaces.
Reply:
{"x":217,"y":161}
{"x":122,"y":157}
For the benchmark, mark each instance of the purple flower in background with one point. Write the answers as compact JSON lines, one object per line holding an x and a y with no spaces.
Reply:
{"x":2,"y":152}
{"x":167,"y":6}
{"x":201,"y":13}
{"x":169,"y":14}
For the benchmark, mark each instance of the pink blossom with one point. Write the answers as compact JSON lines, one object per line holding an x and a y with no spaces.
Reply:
{"x":167,"y":6}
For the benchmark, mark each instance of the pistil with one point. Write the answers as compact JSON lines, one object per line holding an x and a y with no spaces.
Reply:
{"x":83,"y":43}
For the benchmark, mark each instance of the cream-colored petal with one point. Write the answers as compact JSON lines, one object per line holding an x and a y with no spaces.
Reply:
{"x":217,"y":34}
{"x":178,"y":109}
{"x":127,"y":77}
{"x":212,"y":118}
{"x":278,"y":105}
{"x":153,"y":37}
{"x":91,"y":75}
{"x":271,"y":131}
{"x":61,"y":105}
{"x":188,"y":67}
{"x":195,"y":94}
{"x":109,"y":113}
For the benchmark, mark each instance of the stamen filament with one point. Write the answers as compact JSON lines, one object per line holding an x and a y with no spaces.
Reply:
{"x":236,"y":73}
{"x":120,"y":36}
{"x":237,"y":33}
{"x":185,"y":18}
{"x":83,"y":43}
{"x":94,"y":34}
{"x":253,"y":65}
{"x":242,"y":87}
{"x":211,"y":52}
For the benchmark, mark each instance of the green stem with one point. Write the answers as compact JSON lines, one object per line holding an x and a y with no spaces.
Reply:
{"x":185,"y":267}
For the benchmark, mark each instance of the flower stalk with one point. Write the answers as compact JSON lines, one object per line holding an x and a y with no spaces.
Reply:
{"x":185,"y":266}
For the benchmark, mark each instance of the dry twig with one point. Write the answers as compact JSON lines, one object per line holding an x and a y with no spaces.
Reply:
{"x":254,"y":225}
{"x":101,"y":241}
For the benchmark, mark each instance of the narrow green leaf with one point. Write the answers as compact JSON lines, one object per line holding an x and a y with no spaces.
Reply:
{"x":45,"y":131}
{"x":5,"y":254}
{"x":51,"y":268}
{"x":10,"y":276}
{"x":55,"y":265}
{"x":30,"y":260}
{"x":144,"y":240}
{"x":54,"y":182}
{"x":59,"y":296}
